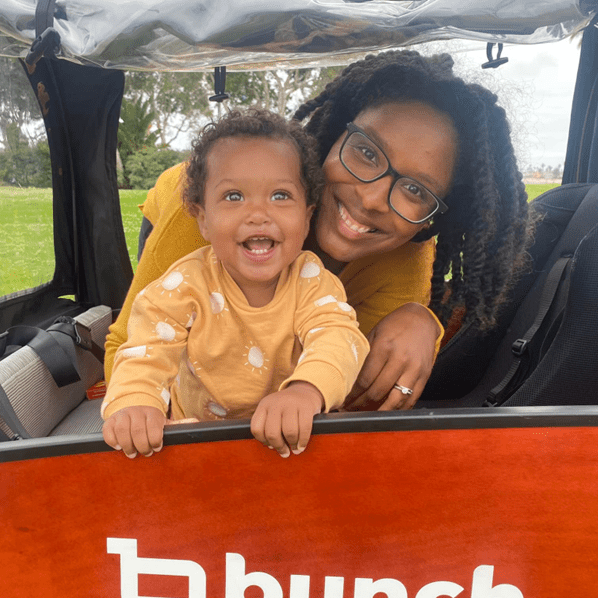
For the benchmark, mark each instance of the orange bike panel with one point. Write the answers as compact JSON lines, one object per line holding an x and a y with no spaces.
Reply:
{"x":418,"y":507}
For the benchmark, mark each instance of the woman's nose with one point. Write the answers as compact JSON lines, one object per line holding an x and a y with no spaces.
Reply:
{"x":374,"y":196}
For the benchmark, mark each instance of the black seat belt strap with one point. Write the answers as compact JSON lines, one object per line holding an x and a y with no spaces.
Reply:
{"x":7,"y":413}
{"x":57,"y":360}
{"x":80,"y":333}
{"x":521,"y":346}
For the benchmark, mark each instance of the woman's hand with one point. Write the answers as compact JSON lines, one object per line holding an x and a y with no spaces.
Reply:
{"x":402,"y":349}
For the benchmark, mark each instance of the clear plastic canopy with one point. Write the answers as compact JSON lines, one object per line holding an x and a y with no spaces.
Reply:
{"x":186,"y":35}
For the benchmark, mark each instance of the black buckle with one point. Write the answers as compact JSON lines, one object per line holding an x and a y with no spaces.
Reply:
{"x":82,"y":334}
{"x":519,"y":347}
{"x":219,"y":85}
{"x":48,"y":44}
{"x":494,"y":62}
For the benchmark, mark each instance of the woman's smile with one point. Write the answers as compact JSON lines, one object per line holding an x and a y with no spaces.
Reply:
{"x":353,"y":225}
{"x":355,"y":218}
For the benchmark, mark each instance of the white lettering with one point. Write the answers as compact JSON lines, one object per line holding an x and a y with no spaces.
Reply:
{"x":333,"y":587}
{"x":368,"y":588}
{"x":299,"y":586}
{"x":440,"y":588}
{"x":482,"y":585}
{"x":237,"y":581}
{"x":131,"y":567}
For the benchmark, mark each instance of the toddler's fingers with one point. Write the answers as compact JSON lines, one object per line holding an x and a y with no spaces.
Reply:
{"x":155,"y":430}
{"x":139,"y":434}
{"x":306,"y":421}
{"x":122,"y":432}
{"x":290,"y":427}
{"x":109,"y":435}
{"x":273,"y":433}
{"x":257,"y":425}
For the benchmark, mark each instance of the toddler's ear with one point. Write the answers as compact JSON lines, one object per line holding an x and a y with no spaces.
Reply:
{"x":201,"y":221}
{"x":308,"y":215}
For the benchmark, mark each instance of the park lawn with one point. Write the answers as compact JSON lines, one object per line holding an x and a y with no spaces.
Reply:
{"x":534,"y":190}
{"x":26,"y":248}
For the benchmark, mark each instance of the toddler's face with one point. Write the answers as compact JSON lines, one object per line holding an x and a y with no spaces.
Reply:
{"x":255,"y":213}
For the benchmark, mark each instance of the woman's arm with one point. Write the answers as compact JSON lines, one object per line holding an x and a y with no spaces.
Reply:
{"x":403,"y":346}
{"x":389,"y":293}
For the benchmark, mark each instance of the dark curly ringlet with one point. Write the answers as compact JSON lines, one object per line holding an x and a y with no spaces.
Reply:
{"x":482,"y":239}
{"x":252,"y":124}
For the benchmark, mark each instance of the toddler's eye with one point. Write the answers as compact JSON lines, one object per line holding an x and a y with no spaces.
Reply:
{"x":233,"y":196}
{"x":280,"y":195}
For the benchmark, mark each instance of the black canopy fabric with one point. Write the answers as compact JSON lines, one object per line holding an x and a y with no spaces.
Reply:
{"x":81,"y":107}
{"x":581,"y":163}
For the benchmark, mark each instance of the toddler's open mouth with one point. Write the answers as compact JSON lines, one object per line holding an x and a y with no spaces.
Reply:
{"x":259,"y":245}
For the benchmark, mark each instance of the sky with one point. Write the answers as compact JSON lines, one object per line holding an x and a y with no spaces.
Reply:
{"x":536,"y":88}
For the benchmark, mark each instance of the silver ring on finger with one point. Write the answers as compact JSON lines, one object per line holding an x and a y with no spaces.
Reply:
{"x":404,"y":389}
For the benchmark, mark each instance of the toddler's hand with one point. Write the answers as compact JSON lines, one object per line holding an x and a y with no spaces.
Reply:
{"x":283,"y":419}
{"x":135,"y":429}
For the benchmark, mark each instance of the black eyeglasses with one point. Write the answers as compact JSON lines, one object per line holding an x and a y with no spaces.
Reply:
{"x":367,"y":162}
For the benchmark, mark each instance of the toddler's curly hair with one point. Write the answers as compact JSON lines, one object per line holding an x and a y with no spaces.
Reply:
{"x":252,"y":124}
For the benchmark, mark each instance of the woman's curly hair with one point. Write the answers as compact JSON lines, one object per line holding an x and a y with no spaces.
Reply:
{"x":483,"y":237}
{"x":252,"y":124}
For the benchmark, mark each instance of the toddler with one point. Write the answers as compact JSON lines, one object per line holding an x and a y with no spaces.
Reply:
{"x":251,"y":325}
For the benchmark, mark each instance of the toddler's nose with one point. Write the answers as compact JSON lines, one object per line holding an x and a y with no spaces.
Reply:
{"x":258,"y":213}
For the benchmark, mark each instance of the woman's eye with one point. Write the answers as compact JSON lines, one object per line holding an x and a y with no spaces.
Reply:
{"x":414,"y":190}
{"x":280,"y":195}
{"x":367,"y":153}
{"x":233,"y":196}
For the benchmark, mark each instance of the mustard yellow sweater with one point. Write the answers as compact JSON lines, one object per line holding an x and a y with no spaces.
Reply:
{"x":375,"y":285}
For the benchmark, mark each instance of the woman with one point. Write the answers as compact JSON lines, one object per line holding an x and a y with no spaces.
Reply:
{"x":410,"y":152}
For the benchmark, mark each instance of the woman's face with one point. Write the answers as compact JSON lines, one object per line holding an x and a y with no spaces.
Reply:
{"x":354,"y":219}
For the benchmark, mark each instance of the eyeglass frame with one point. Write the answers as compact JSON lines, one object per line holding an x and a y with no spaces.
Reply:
{"x":441,"y":207}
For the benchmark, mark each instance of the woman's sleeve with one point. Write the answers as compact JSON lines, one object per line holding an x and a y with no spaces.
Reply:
{"x":175,"y":234}
{"x":378,"y":285}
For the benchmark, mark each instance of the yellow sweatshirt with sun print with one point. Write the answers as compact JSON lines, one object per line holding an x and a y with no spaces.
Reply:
{"x":197,"y":349}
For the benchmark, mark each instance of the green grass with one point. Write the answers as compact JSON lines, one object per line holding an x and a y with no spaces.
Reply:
{"x":534,"y":190}
{"x":26,"y":248}
{"x":132,"y":216}
{"x":26,"y":245}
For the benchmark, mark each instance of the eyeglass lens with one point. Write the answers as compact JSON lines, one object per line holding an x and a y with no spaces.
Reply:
{"x":364,"y":159}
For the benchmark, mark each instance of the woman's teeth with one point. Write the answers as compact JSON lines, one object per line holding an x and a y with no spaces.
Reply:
{"x":350,"y":223}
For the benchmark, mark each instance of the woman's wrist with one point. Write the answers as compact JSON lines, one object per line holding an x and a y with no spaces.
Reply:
{"x":419,"y":310}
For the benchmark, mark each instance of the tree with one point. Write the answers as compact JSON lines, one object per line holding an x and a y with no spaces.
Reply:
{"x":178,"y":101}
{"x":23,"y":164}
{"x":147,"y":164}
{"x":18,"y":104}
{"x":279,"y":91}
{"x":134,"y":131}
